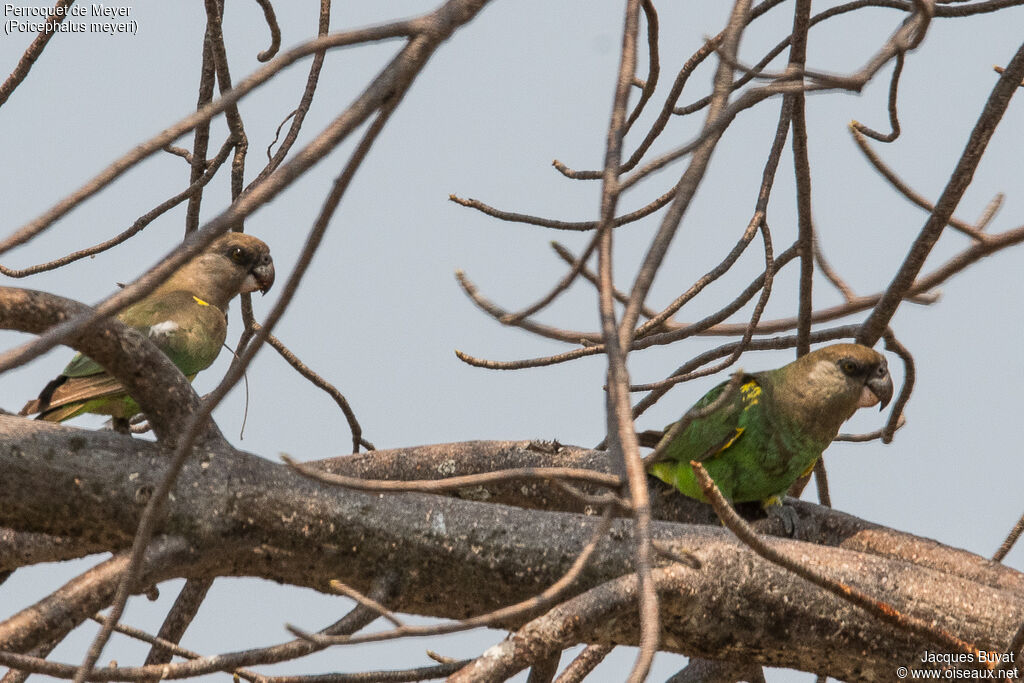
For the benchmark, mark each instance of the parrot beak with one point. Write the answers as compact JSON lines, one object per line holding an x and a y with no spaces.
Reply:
{"x":261,"y":277}
{"x":878,"y":388}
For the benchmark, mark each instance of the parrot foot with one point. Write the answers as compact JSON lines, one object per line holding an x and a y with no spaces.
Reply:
{"x":121,"y":425}
{"x":785,"y":514}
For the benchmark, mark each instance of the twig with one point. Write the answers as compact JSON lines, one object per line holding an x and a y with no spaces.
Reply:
{"x":321,"y":383}
{"x":201,"y":135}
{"x":298,"y":115}
{"x":1009,"y":541}
{"x":894,"y":119}
{"x":829,"y":272}
{"x":991,"y":209}
{"x":184,"y":610}
{"x":517,"y":320}
{"x":438,"y":485}
{"x":821,"y":483}
{"x":138,"y":226}
{"x":653,"y":62}
{"x":902,"y":187}
{"x":870,"y":436}
{"x":275,"y":31}
{"x":366,"y":601}
{"x":962,"y":175}
{"x":172,"y":648}
{"x":528,"y":362}
{"x":802,"y":170}
{"x":577,"y":226}
{"x":585,"y":662}
{"x":215,"y":10}
{"x":35,"y":49}
{"x":909,"y":376}
{"x":423,"y":673}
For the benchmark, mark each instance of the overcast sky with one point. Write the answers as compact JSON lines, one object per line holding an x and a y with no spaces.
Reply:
{"x":379,"y":313}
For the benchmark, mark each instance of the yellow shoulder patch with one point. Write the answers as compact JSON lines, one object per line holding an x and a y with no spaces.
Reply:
{"x":750,"y":392}
{"x":200,"y":301}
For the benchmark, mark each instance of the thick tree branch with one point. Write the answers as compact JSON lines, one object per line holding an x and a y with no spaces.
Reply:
{"x":246,"y":516}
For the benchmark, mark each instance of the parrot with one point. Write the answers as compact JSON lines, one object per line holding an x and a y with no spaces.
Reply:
{"x":777,"y":424}
{"x":185,"y":316}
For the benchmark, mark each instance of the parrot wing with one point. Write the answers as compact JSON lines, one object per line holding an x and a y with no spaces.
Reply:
{"x":186,"y":329}
{"x":709,"y":436}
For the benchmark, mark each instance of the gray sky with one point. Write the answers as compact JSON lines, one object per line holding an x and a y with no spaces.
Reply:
{"x":380,"y":313}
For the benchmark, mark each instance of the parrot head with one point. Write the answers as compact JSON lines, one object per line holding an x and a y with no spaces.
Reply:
{"x":234,"y":263}
{"x":247,"y":255}
{"x":849,"y":376}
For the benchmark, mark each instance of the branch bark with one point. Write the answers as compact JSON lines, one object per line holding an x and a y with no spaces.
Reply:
{"x":242,"y":515}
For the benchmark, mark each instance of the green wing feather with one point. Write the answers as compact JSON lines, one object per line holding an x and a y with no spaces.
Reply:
{"x":707,"y":439}
{"x":187,"y":329}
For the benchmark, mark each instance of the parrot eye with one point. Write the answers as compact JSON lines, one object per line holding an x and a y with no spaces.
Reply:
{"x":238,"y":255}
{"x":848,"y":366}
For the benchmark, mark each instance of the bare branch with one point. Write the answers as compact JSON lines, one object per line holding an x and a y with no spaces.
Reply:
{"x":859,"y":137}
{"x":35,"y":50}
{"x":321,"y":383}
{"x":138,"y":226}
{"x":452,"y":483}
{"x":275,"y":31}
{"x":182,"y":612}
{"x":1009,"y":541}
{"x":996,"y":106}
{"x":57,"y":614}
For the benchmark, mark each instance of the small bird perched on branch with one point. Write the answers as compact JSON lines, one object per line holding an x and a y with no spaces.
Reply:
{"x":773,"y":429}
{"x":186,"y":317}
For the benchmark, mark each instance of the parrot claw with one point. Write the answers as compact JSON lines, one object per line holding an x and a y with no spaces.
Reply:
{"x":785,"y":514}
{"x":121,"y":425}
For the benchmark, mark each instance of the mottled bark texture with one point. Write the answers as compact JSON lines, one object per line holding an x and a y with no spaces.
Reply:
{"x":237,"y":514}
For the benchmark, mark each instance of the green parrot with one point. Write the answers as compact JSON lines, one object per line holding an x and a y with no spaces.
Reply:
{"x":775,"y":427}
{"x":186,"y":317}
